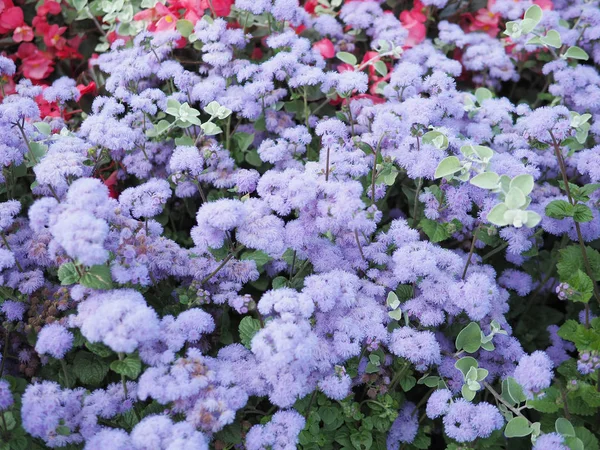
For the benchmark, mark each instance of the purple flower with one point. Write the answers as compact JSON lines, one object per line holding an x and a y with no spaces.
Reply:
{"x":7,"y":67}
{"x":280,"y":433}
{"x":419,"y":347}
{"x":550,"y":441}
{"x":54,"y":340}
{"x":438,"y":403}
{"x":6,"y":398}
{"x":13,"y":310}
{"x":405,"y":427}
{"x":534,"y":372}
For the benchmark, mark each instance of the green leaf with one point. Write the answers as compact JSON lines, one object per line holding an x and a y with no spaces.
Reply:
{"x":582,"y":213}
{"x":279,"y":282}
{"x":408,"y":382}
{"x":469,"y":339}
{"x":67,"y":274}
{"x":448,"y":166}
{"x":99,"y":349}
{"x":435,"y":231}
{"x":482,"y":94}
{"x":130,"y":367}
{"x":583,"y":285}
{"x":437,"y":139}
{"x":346,"y":57}
{"x":590,"y":442}
{"x":467,"y":393}
{"x":243,"y":140}
{"x":535,"y":13}
{"x":571,"y":259}
{"x":496,"y":215}
{"x":549,"y":403}
{"x":248,"y":327}
{"x":43,"y":128}
{"x":89,"y":368}
{"x":523,"y":182}
{"x":185,"y":27}
{"x":486,"y":180}
{"x":97,"y":277}
{"x":576,"y":53}
{"x":79,"y":5}
{"x":552,"y":39}
{"x":392,"y":300}
{"x":517,"y":427}
{"x":514,"y":390}
{"x":381,"y":68}
{"x":515,"y":198}
{"x":465,"y":364}
{"x":210,"y":129}
{"x":564,"y":427}
{"x":559,"y":209}
{"x":574,"y":443}
{"x":258,"y":256}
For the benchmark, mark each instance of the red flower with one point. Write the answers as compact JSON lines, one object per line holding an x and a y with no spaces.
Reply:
{"x":11,"y":18}
{"x":220,"y":8}
{"x":546,"y":5}
{"x":47,"y":109}
{"x":89,"y":89}
{"x":414,"y":22}
{"x":23,"y":33}
{"x":325,"y":47}
{"x":483,"y":20}
{"x":36,"y":64}
{"x":49,"y":7}
{"x":310,"y":6}
{"x":53,"y":37}
{"x":111,"y":184}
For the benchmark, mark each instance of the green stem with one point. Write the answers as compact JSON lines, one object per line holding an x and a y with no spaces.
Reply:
{"x":220,"y":266}
{"x":464,"y":274}
{"x":499,"y":398}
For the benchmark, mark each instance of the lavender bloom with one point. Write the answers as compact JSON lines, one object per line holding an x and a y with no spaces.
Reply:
{"x":159,"y":432}
{"x":61,"y":91}
{"x":281,"y":433}
{"x":405,"y":427}
{"x":7,"y":67}
{"x":146,"y":200}
{"x":54,"y":340}
{"x":534,"y":372}
{"x":46,"y":407}
{"x":13,"y":311}
{"x":8,"y":211}
{"x":6,"y":398}
{"x":419,"y":347}
{"x":438,"y":403}
{"x":118,"y":318}
{"x":109,"y":438}
{"x":550,"y":441}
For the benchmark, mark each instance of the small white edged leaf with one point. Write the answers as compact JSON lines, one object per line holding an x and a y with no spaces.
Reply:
{"x":524,"y":182}
{"x":576,"y":53}
{"x":496,"y":215}
{"x":448,"y":166}
{"x":486,"y":180}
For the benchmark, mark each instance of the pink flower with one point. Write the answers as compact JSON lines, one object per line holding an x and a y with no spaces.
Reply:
{"x":23,"y":33}
{"x":414,"y":22}
{"x":546,"y":5}
{"x":11,"y":18}
{"x":325,"y":47}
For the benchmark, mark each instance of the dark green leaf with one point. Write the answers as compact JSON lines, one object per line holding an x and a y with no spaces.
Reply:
{"x":248,"y":327}
{"x":130,"y":367}
{"x":67,"y":274}
{"x":559,"y":209}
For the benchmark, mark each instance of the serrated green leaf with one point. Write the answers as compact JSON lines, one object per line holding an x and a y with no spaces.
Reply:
{"x":131,"y":366}
{"x":67,"y":274}
{"x":97,"y":277}
{"x":435,"y":231}
{"x":582,"y":213}
{"x":559,"y":209}
{"x":89,"y":368}
{"x":248,"y":327}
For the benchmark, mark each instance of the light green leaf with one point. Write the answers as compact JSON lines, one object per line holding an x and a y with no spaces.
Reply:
{"x":392,"y":300}
{"x":496,"y":215}
{"x":185,"y":27}
{"x":43,"y":128}
{"x":210,"y":129}
{"x":381,"y":68}
{"x":467,"y":393}
{"x":465,"y":364}
{"x":552,"y":39}
{"x":482,"y":94}
{"x":533,"y":219}
{"x":515,"y":198}
{"x":469,"y":339}
{"x":564,"y":427}
{"x":523,"y":182}
{"x":486,"y":180}
{"x":535,"y":13}
{"x":448,"y":166}
{"x":576,"y":53}
{"x":346,"y":57}
{"x":437,"y":139}
{"x":517,"y":427}
{"x":527,"y":25}
{"x":395,"y":314}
